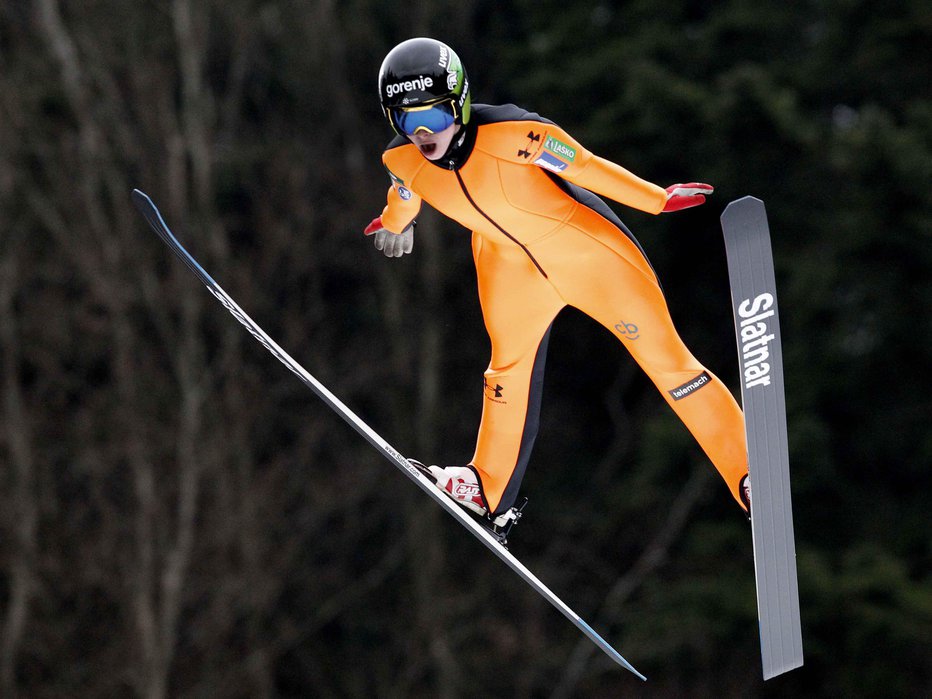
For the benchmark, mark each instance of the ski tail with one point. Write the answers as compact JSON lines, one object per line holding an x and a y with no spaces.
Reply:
{"x":757,"y":328}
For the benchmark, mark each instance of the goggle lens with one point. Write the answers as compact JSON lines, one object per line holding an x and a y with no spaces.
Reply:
{"x":430,"y":119}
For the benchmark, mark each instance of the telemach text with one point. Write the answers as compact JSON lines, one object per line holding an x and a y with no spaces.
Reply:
{"x":755,"y":340}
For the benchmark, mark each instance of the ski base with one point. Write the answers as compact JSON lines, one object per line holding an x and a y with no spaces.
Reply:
{"x":154,"y":218}
{"x":757,"y":327}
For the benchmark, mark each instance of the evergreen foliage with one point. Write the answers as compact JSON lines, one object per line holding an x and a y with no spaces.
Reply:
{"x":181,"y":517}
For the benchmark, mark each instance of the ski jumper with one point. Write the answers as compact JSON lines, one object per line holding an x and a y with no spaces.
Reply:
{"x":541,"y":241}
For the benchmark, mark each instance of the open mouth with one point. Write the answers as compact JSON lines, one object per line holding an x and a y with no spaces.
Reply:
{"x":428,"y":148}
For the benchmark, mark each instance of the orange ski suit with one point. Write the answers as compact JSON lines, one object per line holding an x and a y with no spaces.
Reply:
{"x":541,"y":241}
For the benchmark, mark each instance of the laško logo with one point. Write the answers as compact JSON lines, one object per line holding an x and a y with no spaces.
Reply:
{"x":561,"y":149}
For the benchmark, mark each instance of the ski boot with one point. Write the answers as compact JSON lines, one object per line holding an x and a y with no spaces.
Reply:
{"x":744,"y":490}
{"x":461,"y":484}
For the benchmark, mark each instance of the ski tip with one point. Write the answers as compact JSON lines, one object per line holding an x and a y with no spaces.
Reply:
{"x":140,"y":196}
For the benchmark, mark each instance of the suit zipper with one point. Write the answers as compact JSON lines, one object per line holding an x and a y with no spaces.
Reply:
{"x":492,"y":221}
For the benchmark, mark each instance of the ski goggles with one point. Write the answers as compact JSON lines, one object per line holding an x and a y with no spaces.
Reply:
{"x":431,"y":118}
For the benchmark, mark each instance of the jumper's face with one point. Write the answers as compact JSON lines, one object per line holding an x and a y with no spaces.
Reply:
{"x":434,"y":145}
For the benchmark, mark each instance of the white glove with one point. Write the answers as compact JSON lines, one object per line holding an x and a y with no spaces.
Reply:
{"x":391,"y":244}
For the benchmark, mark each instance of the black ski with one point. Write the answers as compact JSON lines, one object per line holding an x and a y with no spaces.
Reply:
{"x":757,"y":328}
{"x":487,"y":537}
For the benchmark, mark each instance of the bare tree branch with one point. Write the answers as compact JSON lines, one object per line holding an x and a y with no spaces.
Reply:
{"x":653,"y":557}
{"x":17,"y":433}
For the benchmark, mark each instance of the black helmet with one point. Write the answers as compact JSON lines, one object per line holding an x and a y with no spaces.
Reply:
{"x":421,"y":72}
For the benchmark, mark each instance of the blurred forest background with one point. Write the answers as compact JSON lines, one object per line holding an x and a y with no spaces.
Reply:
{"x":181,"y":517}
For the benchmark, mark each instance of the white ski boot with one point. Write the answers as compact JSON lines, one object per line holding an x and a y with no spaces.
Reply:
{"x":461,"y":484}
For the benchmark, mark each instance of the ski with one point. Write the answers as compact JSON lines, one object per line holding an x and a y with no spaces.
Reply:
{"x":757,"y":329}
{"x":154,"y":218}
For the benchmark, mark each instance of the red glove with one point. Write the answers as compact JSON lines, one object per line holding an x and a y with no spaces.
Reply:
{"x":683,"y":196}
{"x":374,"y":226}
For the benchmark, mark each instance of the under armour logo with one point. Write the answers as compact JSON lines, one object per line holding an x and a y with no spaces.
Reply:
{"x":491,"y":391}
{"x":526,"y":151}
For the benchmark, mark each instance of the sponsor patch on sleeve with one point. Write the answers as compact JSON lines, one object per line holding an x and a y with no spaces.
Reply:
{"x":560,"y":149}
{"x":550,"y":162}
